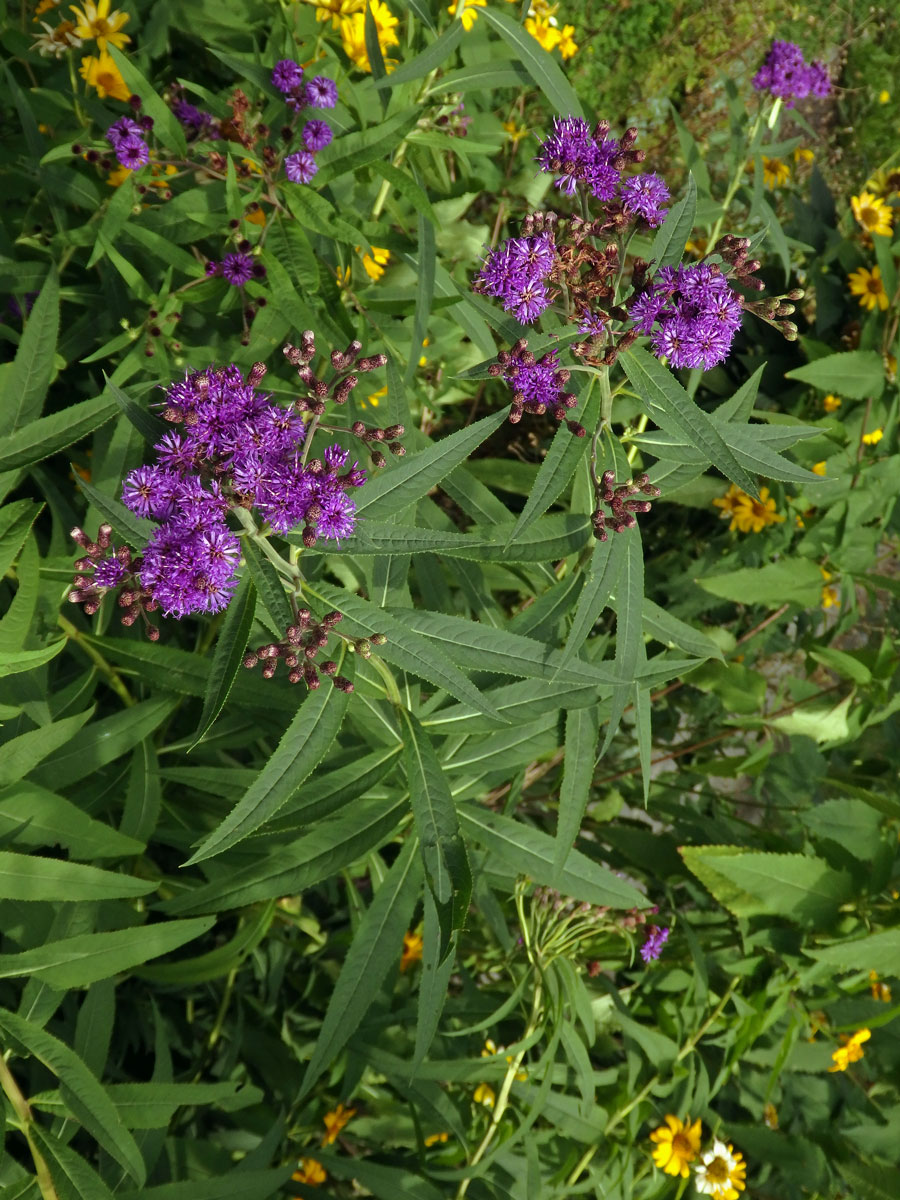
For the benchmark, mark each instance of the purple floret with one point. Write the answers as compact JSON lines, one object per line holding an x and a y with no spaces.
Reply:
{"x":300,"y":167}
{"x":287,"y":75}
{"x":657,"y":936}
{"x":109,"y":572}
{"x":124,"y":127}
{"x":515,"y":274}
{"x":321,"y":92}
{"x":237,"y":268}
{"x":132,"y":152}
{"x":576,"y":156}
{"x":317,"y":135}
{"x":646,"y":196}
{"x":787,"y":75}
{"x":692,"y":313}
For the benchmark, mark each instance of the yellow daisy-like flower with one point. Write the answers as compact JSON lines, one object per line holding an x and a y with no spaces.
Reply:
{"x":831,"y":598}
{"x":820,"y":468}
{"x":376,"y":262}
{"x":515,"y":132}
{"x":311,"y":1172}
{"x":335,"y":1122}
{"x":103,"y":74}
{"x":375,"y":398}
{"x":567,"y":44}
{"x":413,"y":946}
{"x":467,"y":13}
{"x":868,"y":285}
{"x":802,"y":155}
{"x":884,"y":96}
{"x":117,"y":177}
{"x":775,"y":172}
{"x":880,"y":991}
{"x":335,"y":10}
{"x":353,"y":35}
{"x":721,"y":1173}
{"x":56,"y":40}
{"x":545,"y":34}
{"x":832,"y":403}
{"x":748,"y":515}
{"x":873,"y":438}
{"x":677,"y":1144}
{"x":851,"y":1051}
{"x":44,"y":6}
{"x":484,"y":1094}
{"x":434,"y":1138}
{"x":871,"y":213}
{"x":97,"y":22}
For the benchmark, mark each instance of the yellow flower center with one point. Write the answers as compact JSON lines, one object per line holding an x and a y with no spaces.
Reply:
{"x":873,"y":285}
{"x":718,"y":1170}
{"x":869,"y":216}
{"x":681,"y":1145}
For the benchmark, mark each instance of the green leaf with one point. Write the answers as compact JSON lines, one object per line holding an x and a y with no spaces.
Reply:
{"x":401,"y":182}
{"x":15,"y":662}
{"x":16,"y":520}
{"x":135,"y":530}
{"x":79,"y":961}
{"x":373,"y":951}
{"x":404,"y":647}
{"x":21,"y":754}
{"x":25,"y":383}
{"x":526,"y":851}
{"x":425,"y":268}
{"x":540,"y":65}
{"x":321,"y":852}
{"x":83,"y":1092}
{"x":436,"y":54}
{"x":798,"y":886}
{"x":668,"y":245}
{"x":291,"y":247}
{"x":434,"y":979}
{"x":356,"y":150}
{"x":46,"y":435}
{"x":877,"y":952}
{"x":629,"y":628}
{"x":68,"y":1169}
{"x":303,"y":746}
{"x":788,"y":581}
{"x":215,"y":964}
{"x":165,"y":125}
{"x":671,"y":631}
{"x":582,"y":731}
{"x":870,"y":1181}
{"x":268,"y":584}
{"x":443,"y":851}
{"x":414,"y":476}
{"x":854,"y":374}
{"x":50,"y":820}
{"x":31,"y":877}
{"x":231,"y":646}
{"x":152,"y":1105}
{"x":239,"y":1184}
{"x":671,"y":407}
{"x":607,"y":559}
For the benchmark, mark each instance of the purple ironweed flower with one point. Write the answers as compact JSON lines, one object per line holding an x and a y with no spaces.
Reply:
{"x":237,"y":268}
{"x":321,"y":92}
{"x":287,"y":75}
{"x":122,"y":128}
{"x":695,"y":312}
{"x":787,"y":75}
{"x":132,"y":152}
{"x":190,"y":571}
{"x":195,"y":120}
{"x":150,"y":492}
{"x":646,"y":196}
{"x":109,"y":572}
{"x":657,"y":936}
{"x":300,"y":166}
{"x":317,"y":135}
{"x":537,"y":383}
{"x":515,"y":274}
{"x":591,"y":324}
{"x":576,"y":156}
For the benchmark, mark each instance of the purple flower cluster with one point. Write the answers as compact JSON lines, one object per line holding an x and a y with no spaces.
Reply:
{"x":787,"y":75}
{"x":516,"y":274}
{"x":126,"y":136}
{"x":238,"y":267}
{"x":692,"y":313}
{"x":235,"y":447}
{"x":287,"y":76}
{"x":537,"y":384}
{"x":657,"y":936}
{"x":198,"y":123}
{"x":578,"y":155}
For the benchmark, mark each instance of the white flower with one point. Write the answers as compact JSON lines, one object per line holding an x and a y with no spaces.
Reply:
{"x":721,"y":1172}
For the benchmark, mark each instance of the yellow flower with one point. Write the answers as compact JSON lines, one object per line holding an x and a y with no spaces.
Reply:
{"x":43,"y":7}
{"x":770,"y":1116}
{"x":58,"y":40}
{"x":869,"y":287}
{"x":118,"y":176}
{"x":335,"y":1122}
{"x":831,"y":598}
{"x":851,"y":1051}
{"x":775,"y":172}
{"x":820,"y":468}
{"x":802,"y":155}
{"x":311,"y":1172}
{"x":467,"y":14}
{"x":353,"y":35}
{"x":880,"y":991}
{"x":96,"y":21}
{"x":412,"y":950}
{"x":376,"y":397}
{"x":257,"y":217}
{"x":696,"y":245}
{"x":376,"y":262}
{"x":547,"y":35}
{"x":335,"y":10}
{"x":515,"y":132}
{"x":677,"y":1144}
{"x":434,"y":1138}
{"x":484,"y":1094}
{"x":884,"y":96}
{"x":567,"y":46}
{"x":831,"y":403}
{"x":890,"y":367}
{"x":721,"y":1173}
{"x":103,"y":74}
{"x":873,"y":438}
{"x":872,"y":214}
{"x":423,"y":361}
{"x":748,"y":515}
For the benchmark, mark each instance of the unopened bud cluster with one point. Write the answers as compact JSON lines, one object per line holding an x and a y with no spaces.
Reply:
{"x":110,"y":569}
{"x":616,"y":506}
{"x":304,"y":640}
{"x":537,"y":384}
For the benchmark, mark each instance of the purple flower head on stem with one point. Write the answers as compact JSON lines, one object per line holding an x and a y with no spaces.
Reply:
{"x":300,"y":167}
{"x":657,"y":936}
{"x":287,"y":75}
{"x":515,"y":274}
{"x":317,"y":135}
{"x":646,"y":196}
{"x":237,"y":268}
{"x":692,"y":314}
{"x":786,"y":74}
{"x":132,"y":152}
{"x":109,"y":572}
{"x":321,"y":92}
{"x":122,"y":128}
{"x":576,"y":155}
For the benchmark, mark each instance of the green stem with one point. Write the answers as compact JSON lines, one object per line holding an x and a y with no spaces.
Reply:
{"x":739,"y":172}
{"x":23,"y":1112}
{"x":291,"y":571}
{"x":108,"y":672}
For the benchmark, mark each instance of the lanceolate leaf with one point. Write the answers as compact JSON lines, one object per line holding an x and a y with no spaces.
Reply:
{"x":135,"y":530}
{"x":444,"y":857}
{"x":668,"y":245}
{"x":374,"y":950}
{"x":543,"y":69}
{"x":32,"y":877}
{"x":45,"y":436}
{"x":304,"y":745}
{"x":83,"y":1092}
{"x":603,"y":575}
{"x":417,"y":68}
{"x":437,"y":967}
{"x":582,"y":728}
{"x":231,"y":647}
{"x":26,"y":384}
{"x":629,"y":604}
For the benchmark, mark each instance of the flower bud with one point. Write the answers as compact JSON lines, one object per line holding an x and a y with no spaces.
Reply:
{"x":372,"y":362}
